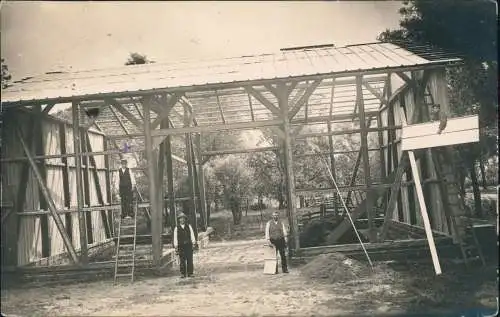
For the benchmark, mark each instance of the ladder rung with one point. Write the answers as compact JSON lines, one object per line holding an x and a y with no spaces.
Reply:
{"x":127,"y":236}
{"x":128,"y":226}
{"x":123,"y":274}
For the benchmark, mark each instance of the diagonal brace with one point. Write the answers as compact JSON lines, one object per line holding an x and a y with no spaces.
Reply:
{"x":305,"y":97}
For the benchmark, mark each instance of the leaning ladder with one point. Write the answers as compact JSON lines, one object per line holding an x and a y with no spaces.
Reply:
{"x":125,"y":253}
{"x":462,"y":225}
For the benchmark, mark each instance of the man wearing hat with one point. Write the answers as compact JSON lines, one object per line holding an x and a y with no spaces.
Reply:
{"x":184,"y":241}
{"x":126,"y":184}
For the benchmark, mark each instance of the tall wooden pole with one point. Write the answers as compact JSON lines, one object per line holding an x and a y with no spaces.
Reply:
{"x":161,"y":173}
{"x":170,"y":180}
{"x":366,"y":162}
{"x":332,"y":159}
{"x":156,"y":222}
{"x":192,"y":213}
{"x":79,"y":185}
{"x":201,"y":184}
{"x":290,"y":181}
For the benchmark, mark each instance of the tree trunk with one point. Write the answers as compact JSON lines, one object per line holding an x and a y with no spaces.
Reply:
{"x":483,"y":173}
{"x":475,"y":189}
{"x":208,"y":214}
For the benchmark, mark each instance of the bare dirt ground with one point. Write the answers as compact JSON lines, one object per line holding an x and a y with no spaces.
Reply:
{"x":229,"y":282}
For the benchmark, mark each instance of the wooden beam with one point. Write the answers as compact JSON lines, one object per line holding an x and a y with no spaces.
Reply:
{"x":109,"y":196}
{"x":79,"y":190}
{"x":52,"y":208}
{"x":165,"y":111}
{"x":366,"y":162}
{"x":125,"y":112}
{"x":161,"y":173}
{"x":65,"y":179}
{"x":170,"y":181}
{"x":156,"y":216}
{"x":344,"y":132}
{"x":86,"y":187}
{"x":39,"y":150}
{"x":201,"y":183}
{"x":423,"y":210}
{"x":191,"y":214}
{"x":263,"y":100}
{"x":288,"y":158}
{"x":332,"y":159}
{"x":48,"y":107}
{"x":237,"y":151}
{"x":395,"y":190}
{"x":217,"y":127}
{"x":98,"y":188}
{"x":309,"y":91}
{"x":251,"y":107}
{"x":380,"y":143}
{"x":220,"y":108}
{"x":381,"y":97}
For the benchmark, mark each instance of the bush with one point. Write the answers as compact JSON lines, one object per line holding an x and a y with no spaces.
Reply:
{"x":258,"y":206}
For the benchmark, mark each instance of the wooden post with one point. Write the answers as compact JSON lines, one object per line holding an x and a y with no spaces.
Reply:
{"x":48,"y":199}
{"x":65,"y":176}
{"x":425,"y":216}
{"x":192,"y":205}
{"x":201,"y":184}
{"x":161,"y":173}
{"x":109,"y":199}
{"x":290,"y":181}
{"x":86,"y":187}
{"x":156,"y":222}
{"x":332,"y":160}
{"x":39,"y":150}
{"x":380,"y":144}
{"x":366,"y":162}
{"x":170,"y":181}
{"x":79,"y":190}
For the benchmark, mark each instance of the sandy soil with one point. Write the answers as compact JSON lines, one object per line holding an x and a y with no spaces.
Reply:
{"x":229,"y":282}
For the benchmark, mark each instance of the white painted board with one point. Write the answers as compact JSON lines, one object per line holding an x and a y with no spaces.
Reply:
{"x":424,"y":135}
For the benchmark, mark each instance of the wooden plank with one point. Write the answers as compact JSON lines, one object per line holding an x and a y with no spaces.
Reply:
{"x":125,"y":112}
{"x":366,"y":162}
{"x":39,"y":150}
{"x":303,"y":99}
{"x":109,"y":196}
{"x":161,"y":173}
{"x":79,"y":190}
{"x":65,"y":175}
{"x":288,"y":159}
{"x":170,"y":181}
{"x":50,"y":203}
{"x":98,"y":188}
{"x":425,"y":216}
{"x":345,"y":132}
{"x":201,"y":183}
{"x":458,"y":131}
{"x":332,"y":159}
{"x":263,"y":100}
{"x":237,"y":151}
{"x":86,"y":187}
{"x":165,"y":111}
{"x":196,"y":191}
{"x":156,"y":216}
{"x":191,"y":214}
{"x":48,"y":107}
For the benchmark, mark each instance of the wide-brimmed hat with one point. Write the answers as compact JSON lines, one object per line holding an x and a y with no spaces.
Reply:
{"x":181,"y":215}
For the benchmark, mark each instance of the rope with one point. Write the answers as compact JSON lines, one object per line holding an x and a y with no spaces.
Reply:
{"x":346,"y":210}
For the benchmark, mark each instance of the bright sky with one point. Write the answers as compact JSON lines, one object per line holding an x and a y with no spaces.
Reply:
{"x":37,"y":37}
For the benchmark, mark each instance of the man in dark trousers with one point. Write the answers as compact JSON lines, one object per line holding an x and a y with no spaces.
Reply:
{"x":184,"y":242}
{"x":126,"y":186}
{"x":276,"y":235}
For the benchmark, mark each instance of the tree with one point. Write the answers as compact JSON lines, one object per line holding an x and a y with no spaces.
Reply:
{"x":137,"y":59}
{"x":468,"y":28}
{"x":233,"y":174}
{"x":6,"y":76}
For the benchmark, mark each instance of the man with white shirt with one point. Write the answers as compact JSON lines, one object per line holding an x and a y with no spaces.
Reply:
{"x":184,"y":241}
{"x":126,"y":186}
{"x":276,"y":235}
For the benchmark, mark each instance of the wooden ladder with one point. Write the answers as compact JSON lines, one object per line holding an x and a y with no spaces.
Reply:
{"x":458,"y":220}
{"x":125,"y":253}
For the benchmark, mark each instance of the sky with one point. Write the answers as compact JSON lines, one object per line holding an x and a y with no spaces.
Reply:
{"x":38,"y":37}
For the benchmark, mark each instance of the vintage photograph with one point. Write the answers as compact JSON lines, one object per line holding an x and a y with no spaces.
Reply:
{"x":249,"y":158}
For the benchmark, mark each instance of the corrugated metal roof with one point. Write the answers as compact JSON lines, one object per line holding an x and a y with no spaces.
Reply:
{"x":183,"y":75}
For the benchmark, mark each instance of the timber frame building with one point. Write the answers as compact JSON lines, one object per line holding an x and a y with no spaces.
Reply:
{"x":56,"y":175}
